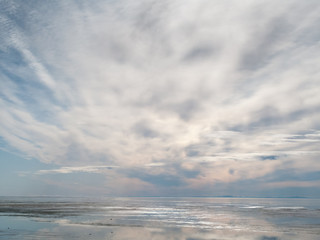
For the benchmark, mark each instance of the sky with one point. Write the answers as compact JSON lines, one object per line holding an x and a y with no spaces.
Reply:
{"x":160,"y":98}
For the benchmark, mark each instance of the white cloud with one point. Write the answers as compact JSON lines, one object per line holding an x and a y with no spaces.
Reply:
{"x":87,"y":169}
{"x":150,"y":83}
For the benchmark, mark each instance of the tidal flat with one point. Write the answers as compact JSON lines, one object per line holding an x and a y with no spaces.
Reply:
{"x":159,"y":218}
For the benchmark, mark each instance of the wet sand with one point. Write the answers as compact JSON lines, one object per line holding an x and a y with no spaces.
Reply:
{"x":160,"y":219}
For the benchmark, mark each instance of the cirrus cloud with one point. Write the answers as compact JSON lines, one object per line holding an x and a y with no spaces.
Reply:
{"x":199,"y":86}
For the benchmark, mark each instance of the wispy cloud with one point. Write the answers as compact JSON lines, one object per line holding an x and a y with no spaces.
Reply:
{"x":203,"y":86}
{"x":88,"y":169}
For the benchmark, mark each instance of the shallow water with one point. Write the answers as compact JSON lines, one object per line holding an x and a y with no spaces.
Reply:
{"x":159,"y":218}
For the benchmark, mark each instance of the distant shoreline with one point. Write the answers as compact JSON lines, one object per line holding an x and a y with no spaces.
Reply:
{"x":223,"y":196}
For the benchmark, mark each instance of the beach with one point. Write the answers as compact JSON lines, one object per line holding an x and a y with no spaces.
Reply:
{"x":158,"y":218}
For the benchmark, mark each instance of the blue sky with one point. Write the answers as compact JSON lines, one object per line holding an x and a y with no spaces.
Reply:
{"x":160,"y":98}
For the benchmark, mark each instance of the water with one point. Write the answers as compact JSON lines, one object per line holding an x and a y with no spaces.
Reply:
{"x":159,"y":218}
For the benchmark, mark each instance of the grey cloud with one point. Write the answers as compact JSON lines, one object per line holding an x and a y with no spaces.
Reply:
{"x":149,"y":19}
{"x":150,"y":15}
{"x":115,"y":50}
{"x":261,"y":50}
{"x":291,"y":175}
{"x":269,"y":238}
{"x":212,"y":143}
{"x":199,"y":53}
{"x":167,"y":180}
{"x":166,"y":100}
{"x":187,"y":173}
{"x":191,"y":152}
{"x":270,"y":157}
{"x":77,"y":153}
{"x":269,"y":116}
{"x":144,"y":129}
{"x":187,"y":109}
{"x":173,"y":174}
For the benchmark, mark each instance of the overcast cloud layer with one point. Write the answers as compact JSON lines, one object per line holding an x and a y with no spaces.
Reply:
{"x":190,"y":97}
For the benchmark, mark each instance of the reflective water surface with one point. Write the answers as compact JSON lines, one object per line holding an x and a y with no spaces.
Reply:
{"x":159,"y":218}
